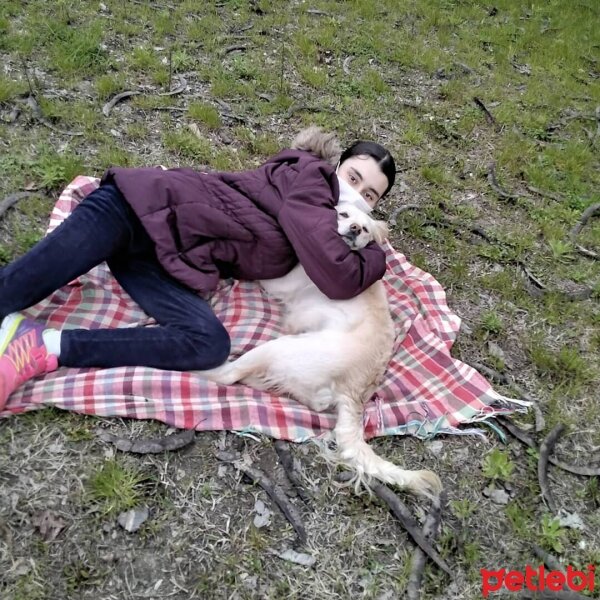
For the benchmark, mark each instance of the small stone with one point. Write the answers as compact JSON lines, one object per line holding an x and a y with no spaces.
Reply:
{"x":495,"y":350}
{"x":262,"y":520}
{"x":571,"y":520}
{"x":299,"y":558}
{"x":435,"y":447}
{"x":499,"y":497}
{"x":263,"y":514}
{"x":132,"y":519}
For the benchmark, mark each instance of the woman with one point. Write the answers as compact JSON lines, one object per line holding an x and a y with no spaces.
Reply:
{"x":169,"y":235}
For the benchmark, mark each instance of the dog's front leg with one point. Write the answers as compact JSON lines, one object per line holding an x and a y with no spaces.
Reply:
{"x":286,"y":287}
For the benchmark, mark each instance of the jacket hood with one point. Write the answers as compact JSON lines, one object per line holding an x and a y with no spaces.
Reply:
{"x":322,"y":145}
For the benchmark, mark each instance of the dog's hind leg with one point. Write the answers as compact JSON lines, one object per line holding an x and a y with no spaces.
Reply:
{"x":357,"y":454}
{"x":253,"y":363}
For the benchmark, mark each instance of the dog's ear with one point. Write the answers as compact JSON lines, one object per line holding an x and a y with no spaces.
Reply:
{"x":380,"y":231}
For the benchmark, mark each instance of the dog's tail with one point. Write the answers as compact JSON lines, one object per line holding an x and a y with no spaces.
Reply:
{"x":354,"y":451}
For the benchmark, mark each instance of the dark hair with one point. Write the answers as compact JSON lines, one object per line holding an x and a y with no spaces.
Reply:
{"x":382,"y":156}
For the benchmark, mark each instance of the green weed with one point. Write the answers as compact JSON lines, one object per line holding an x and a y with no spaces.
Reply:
{"x":54,"y":170}
{"x":498,"y":465}
{"x":551,"y":533}
{"x":490,"y":323}
{"x":188,"y":146}
{"x":115,"y":487}
{"x":205,"y":113}
{"x":566,"y":365}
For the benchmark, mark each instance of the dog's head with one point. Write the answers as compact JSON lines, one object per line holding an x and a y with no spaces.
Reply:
{"x":357,"y":228}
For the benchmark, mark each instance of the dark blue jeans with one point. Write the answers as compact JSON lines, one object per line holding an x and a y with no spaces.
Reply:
{"x":103,"y":227}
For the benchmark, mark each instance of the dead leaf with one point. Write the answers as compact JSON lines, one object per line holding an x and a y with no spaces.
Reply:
{"x":49,"y":524}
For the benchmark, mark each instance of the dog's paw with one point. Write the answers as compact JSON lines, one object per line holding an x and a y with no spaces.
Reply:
{"x":426,"y":483}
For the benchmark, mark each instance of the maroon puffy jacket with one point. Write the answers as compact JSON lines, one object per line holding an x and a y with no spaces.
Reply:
{"x":249,"y":225}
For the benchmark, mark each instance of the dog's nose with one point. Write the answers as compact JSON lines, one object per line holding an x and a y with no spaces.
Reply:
{"x":355,"y":229}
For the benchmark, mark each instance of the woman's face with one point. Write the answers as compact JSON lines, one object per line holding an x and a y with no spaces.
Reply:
{"x":363,"y":173}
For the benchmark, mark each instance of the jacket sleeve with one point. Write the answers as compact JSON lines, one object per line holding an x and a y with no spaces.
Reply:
{"x":309,"y":221}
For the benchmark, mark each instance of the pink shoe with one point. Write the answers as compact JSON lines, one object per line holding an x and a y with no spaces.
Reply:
{"x":22,"y":354}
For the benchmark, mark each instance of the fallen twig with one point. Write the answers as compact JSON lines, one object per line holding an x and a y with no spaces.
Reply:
{"x":154,"y":6}
{"x":178,"y":90}
{"x":430,"y":530}
{"x":531,"y":276}
{"x":273,"y":490}
{"x":228,"y":113}
{"x":526,"y":439}
{"x":392,"y":220}
{"x":506,"y":379}
{"x":299,"y":106}
{"x":547,"y":558}
{"x":457,"y":229}
{"x":11,"y":200}
{"x":588,"y":213}
{"x":548,"y":595}
{"x":234,"y":48}
{"x":403,"y":514}
{"x":13,"y":115}
{"x":169,"y":108}
{"x":545,"y":451}
{"x":492,"y":374}
{"x":495,"y":186}
{"x":37,"y":113}
{"x":545,"y":193}
{"x":287,"y":462}
{"x":488,"y":115}
{"x":553,"y":563}
{"x":150,"y":446}
{"x":570,"y":115}
{"x":115,"y":100}
{"x":244,"y":28}
{"x":346,"y":64}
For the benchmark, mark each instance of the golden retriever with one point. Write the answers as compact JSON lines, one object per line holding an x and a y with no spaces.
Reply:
{"x":334,"y":355}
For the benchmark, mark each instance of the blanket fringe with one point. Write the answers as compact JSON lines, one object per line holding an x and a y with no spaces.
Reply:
{"x":506,"y":402}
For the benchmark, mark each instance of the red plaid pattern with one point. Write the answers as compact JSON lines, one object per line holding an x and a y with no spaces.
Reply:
{"x":425,"y":391}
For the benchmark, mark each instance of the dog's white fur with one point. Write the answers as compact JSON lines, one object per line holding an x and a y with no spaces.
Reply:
{"x":334,"y":355}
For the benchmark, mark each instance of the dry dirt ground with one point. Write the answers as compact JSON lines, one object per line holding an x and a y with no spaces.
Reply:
{"x":403,"y":73}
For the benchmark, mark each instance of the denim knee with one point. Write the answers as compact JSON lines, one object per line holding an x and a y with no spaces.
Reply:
{"x":211,"y":347}
{"x":221,"y":344}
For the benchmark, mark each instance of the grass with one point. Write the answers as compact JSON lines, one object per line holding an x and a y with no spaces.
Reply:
{"x":404,"y":73}
{"x":116,"y":487}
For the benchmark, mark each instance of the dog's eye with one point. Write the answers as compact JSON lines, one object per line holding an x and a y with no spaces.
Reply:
{"x":344,"y":215}
{"x":365,"y":230}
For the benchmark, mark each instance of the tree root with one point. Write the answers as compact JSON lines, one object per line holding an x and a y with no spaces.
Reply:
{"x":430,"y":530}
{"x":286,"y":459}
{"x":178,"y":90}
{"x":537,"y":287}
{"x":37,"y":113}
{"x":528,"y":441}
{"x":496,"y":187}
{"x":115,"y":100}
{"x":545,"y":193}
{"x":403,"y":514}
{"x":588,"y":213}
{"x":150,"y":446}
{"x":273,"y":490}
{"x":545,"y":451}
{"x":11,"y":200}
{"x":489,"y":117}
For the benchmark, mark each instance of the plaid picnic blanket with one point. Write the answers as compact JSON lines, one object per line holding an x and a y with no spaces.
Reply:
{"x":425,"y":390}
